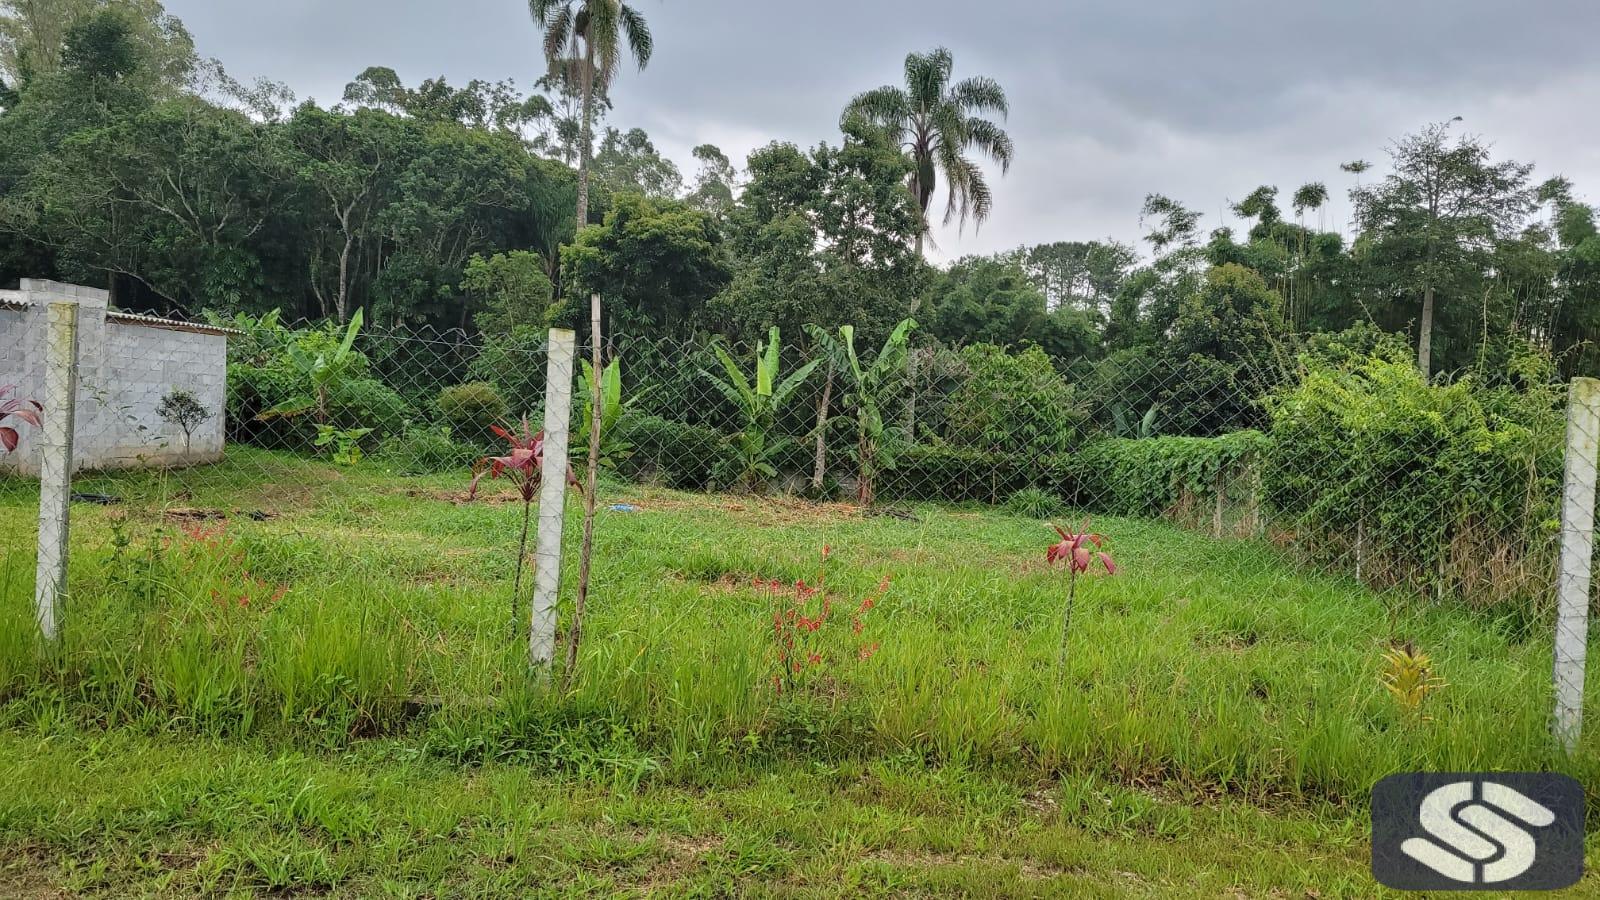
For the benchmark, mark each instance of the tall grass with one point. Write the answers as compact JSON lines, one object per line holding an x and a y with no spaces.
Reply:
{"x":369,"y":607}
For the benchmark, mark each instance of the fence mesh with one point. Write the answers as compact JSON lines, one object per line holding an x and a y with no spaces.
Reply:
{"x":1349,"y":468}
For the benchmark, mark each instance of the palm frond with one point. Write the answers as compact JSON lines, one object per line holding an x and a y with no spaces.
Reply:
{"x":557,"y":21}
{"x":887,"y":107}
{"x":991,"y":139}
{"x":637,"y":32}
{"x":980,"y":94}
{"x":927,"y":74}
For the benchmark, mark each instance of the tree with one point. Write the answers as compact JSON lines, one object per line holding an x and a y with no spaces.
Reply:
{"x":659,"y":261}
{"x":629,"y":162}
{"x":509,"y":291}
{"x":36,"y":39}
{"x":584,"y":40}
{"x":1433,"y":223}
{"x":937,"y":123}
{"x":480,"y":105}
{"x":1081,"y":274}
{"x":716,"y":183}
{"x":821,"y":238}
{"x":990,"y":300}
{"x":179,"y":407}
{"x":342,"y":162}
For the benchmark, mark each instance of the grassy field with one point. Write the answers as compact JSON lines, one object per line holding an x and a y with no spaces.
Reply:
{"x":281,"y":675}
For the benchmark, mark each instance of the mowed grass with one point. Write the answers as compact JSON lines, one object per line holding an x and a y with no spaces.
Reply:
{"x":338,"y":647}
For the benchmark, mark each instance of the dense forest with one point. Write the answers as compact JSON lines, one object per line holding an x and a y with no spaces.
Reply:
{"x":128,"y":160}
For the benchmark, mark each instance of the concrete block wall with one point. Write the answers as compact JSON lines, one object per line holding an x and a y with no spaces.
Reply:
{"x":126,"y":365}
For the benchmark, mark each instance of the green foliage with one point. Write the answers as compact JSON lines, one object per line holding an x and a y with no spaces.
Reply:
{"x":181,"y":408}
{"x":613,"y":408}
{"x":655,"y":262}
{"x":470,"y":409}
{"x":939,"y":122}
{"x":1452,"y":488}
{"x":323,"y":360}
{"x":515,"y":364}
{"x":342,"y":444}
{"x":758,"y":399}
{"x":1011,"y":403}
{"x":510,"y":291}
{"x":421,"y":450}
{"x":688,"y":457}
{"x":1154,"y":477}
{"x":958,"y":475}
{"x":991,"y":300}
{"x":867,"y":392}
{"x":1035,"y":503}
{"x":285,"y":383}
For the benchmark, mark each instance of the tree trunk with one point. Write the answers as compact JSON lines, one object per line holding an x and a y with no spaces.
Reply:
{"x":586,"y":554}
{"x":820,"y":470}
{"x":586,"y":136}
{"x":1425,"y":339}
{"x":342,"y":303}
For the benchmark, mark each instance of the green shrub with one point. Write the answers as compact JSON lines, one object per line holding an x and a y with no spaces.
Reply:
{"x":957,"y":474}
{"x":470,"y":409}
{"x":677,"y":455}
{"x":1157,"y":476}
{"x":368,"y":403}
{"x":1452,"y":489}
{"x":1035,"y":503}
{"x":1011,"y":403}
{"x":425,"y":451}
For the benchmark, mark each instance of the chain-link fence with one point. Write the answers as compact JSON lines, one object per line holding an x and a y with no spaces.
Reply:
{"x":1343,"y":464}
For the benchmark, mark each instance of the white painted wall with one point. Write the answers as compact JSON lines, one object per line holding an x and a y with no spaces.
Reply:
{"x":125,"y":368}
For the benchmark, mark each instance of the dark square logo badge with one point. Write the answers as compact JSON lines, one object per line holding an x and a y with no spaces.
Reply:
{"x":1502,"y":831}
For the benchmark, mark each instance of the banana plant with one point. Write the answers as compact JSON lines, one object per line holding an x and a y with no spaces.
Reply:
{"x":612,"y":408}
{"x":322,"y":366}
{"x":868,"y":392}
{"x":758,"y":400}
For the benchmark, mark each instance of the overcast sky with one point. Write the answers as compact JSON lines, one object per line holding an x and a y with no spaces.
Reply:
{"x":1198,"y":99}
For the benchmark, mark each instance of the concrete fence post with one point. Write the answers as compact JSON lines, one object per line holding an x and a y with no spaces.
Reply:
{"x":552,"y":496}
{"x":1577,"y":549}
{"x":60,"y":396}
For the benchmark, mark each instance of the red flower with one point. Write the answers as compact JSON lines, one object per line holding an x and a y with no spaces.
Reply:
{"x":814,"y":659}
{"x":1074,"y":550}
{"x":868,"y":652}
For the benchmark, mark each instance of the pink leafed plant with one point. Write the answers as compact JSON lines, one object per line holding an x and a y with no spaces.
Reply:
{"x":524,"y":466}
{"x":19,"y":409}
{"x":1073,"y":549}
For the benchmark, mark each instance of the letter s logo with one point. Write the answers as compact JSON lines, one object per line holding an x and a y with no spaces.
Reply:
{"x":1474,"y":854}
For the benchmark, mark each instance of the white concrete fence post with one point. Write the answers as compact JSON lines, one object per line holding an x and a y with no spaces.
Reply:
{"x":60,"y":398}
{"x":1577,"y":549}
{"x":552,"y":497}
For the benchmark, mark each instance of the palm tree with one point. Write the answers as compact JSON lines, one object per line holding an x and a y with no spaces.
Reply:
{"x":937,"y":123}
{"x":583,"y":42}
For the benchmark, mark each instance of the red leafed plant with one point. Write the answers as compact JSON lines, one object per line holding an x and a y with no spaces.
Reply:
{"x":801,"y":616}
{"x":524,"y":466}
{"x":19,"y":409}
{"x":1073,"y":550}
